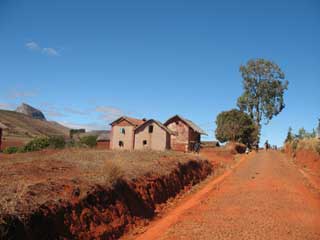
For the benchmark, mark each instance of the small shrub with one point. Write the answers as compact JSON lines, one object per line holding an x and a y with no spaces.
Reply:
{"x":36,"y":144}
{"x":90,"y":141}
{"x":57,"y":142}
{"x":10,"y":150}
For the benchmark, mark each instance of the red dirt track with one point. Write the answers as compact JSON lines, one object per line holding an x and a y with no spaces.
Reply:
{"x":265,"y":197}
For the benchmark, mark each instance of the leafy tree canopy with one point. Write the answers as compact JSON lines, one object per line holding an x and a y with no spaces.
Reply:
{"x":264,"y":86}
{"x":235,"y":125}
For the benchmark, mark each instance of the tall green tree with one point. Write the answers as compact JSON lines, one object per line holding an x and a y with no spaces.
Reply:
{"x":237,"y":126}
{"x":264,"y":85}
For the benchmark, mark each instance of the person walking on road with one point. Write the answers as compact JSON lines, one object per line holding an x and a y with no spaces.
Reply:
{"x":266,"y":145}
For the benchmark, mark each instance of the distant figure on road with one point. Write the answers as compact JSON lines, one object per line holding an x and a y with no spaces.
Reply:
{"x":247,"y":150}
{"x":266,"y":145}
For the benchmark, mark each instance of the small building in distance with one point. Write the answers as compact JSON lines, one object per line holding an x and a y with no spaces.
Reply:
{"x":152,"y":135}
{"x":122,"y":132}
{"x":187,"y":133}
{"x":103,"y":141}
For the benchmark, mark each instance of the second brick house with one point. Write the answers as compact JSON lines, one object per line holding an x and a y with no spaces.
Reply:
{"x":153,"y":135}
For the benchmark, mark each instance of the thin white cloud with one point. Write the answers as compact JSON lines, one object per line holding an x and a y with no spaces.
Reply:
{"x":76,"y":111}
{"x":7,"y":106}
{"x":88,"y":126}
{"x":53,"y":113}
{"x":32,"y":46}
{"x":109,"y":113}
{"x":49,"y":51}
{"x":51,"y":110}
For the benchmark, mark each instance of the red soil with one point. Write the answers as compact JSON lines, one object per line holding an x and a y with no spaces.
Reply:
{"x":266,"y":197}
{"x":102,"y":212}
{"x":308,"y":161}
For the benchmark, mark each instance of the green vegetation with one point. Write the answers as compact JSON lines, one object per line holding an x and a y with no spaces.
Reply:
{"x":10,"y":150}
{"x":57,"y":142}
{"x":90,"y":141}
{"x":73,"y":132}
{"x":236,"y":126}
{"x":264,"y":85}
{"x":37,"y":144}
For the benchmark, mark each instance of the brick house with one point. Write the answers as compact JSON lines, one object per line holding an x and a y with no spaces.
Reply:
{"x":187,"y":133}
{"x":152,"y":135}
{"x":122,"y":132}
{"x":103,"y":141}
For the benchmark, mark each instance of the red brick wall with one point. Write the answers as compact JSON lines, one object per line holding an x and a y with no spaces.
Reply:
{"x":181,"y":141}
{"x":103,"y":144}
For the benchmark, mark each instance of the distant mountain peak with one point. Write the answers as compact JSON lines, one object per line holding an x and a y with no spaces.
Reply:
{"x":30,"y":111}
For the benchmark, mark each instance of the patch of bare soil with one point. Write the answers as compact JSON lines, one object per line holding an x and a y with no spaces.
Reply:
{"x":89,"y":194}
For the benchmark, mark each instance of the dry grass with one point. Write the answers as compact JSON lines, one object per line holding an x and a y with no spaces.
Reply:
{"x":312,"y":144}
{"x":30,"y":179}
{"x":25,"y":127}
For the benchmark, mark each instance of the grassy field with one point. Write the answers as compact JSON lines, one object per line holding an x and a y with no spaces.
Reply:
{"x":31,"y":179}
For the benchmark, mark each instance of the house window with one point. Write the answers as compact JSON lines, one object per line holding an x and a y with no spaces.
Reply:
{"x":144,"y":142}
{"x":121,"y":144}
{"x":122,"y":130}
{"x":151,"y":129}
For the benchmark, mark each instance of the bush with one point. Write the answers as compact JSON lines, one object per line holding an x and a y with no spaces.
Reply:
{"x":57,"y":142}
{"x":90,"y":141}
{"x":36,"y":144}
{"x":236,"y":126}
{"x":10,"y":150}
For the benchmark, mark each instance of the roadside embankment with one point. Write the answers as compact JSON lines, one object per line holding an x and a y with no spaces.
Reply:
{"x":82,"y":195}
{"x":305,"y":154}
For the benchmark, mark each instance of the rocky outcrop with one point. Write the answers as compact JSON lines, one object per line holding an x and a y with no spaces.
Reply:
{"x":30,"y":111}
{"x":104,"y":213}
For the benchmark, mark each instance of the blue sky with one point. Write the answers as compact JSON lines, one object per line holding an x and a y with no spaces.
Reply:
{"x":86,"y":62}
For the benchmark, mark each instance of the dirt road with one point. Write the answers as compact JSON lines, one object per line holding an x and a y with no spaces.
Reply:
{"x":266,"y":197}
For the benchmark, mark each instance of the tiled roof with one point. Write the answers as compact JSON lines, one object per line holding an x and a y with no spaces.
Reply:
{"x":191,"y":124}
{"x":104,"y":137}
{"x":134,"y":121}
{"x":159,"y":124}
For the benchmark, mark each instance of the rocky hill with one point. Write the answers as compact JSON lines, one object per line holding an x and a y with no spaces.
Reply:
{"x":30,"y":111}
{"x":19,"y":128}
